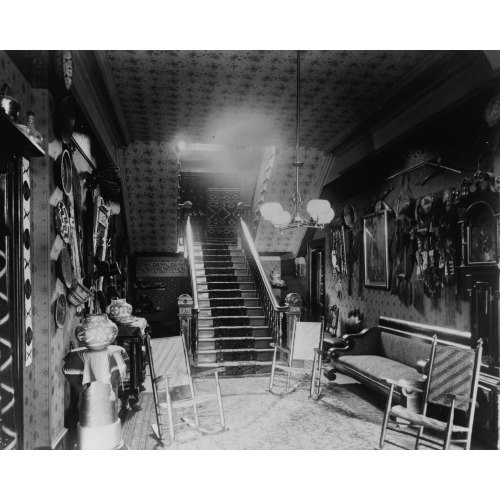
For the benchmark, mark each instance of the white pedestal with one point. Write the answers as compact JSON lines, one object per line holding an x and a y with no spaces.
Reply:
{"x":103,"y":437}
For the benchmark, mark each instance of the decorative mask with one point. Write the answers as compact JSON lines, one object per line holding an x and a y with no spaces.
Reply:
{"x":447,"y":199}
{"x":426,"y":204}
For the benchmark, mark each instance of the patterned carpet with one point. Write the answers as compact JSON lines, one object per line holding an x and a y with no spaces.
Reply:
{"x":347,"y":416}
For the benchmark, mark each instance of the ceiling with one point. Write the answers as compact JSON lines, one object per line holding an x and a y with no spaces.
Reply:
{"x":248,"y":98}
{"x":240,"y":101}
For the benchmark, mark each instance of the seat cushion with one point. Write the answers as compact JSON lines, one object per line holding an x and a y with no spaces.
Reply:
{"x":378,"y":367}
{"x":419,"y":419}
{"x":406,"y":351}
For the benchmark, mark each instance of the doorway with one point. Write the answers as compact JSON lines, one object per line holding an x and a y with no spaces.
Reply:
{"x":316,"y":265}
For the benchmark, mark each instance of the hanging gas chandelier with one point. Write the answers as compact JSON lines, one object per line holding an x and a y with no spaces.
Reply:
{"x":319,"y":212}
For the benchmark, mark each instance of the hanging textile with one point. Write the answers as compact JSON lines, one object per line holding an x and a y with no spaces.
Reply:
{"x":223,"y":213}
{"x":339,"y":263}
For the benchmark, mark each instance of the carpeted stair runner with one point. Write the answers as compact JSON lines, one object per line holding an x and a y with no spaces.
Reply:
{"x":231,"y":325}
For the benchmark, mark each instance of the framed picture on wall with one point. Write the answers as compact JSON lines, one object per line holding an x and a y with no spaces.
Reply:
{"x":481,"y":235}
{"x":376,"y":250}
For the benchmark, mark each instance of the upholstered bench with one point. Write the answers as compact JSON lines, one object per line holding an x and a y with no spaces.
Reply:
{"x":394,"y":349}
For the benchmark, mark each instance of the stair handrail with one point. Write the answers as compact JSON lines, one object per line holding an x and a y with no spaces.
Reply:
{"x":256,"y":258}
{"x":273,"y":312}
{"x":192,"y":268}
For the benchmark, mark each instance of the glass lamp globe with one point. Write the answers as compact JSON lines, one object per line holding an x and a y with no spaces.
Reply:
{"x":281,"y":219}
{"x":318,"y":208}
{"x":270,"y":210}
{"x":327,"y":217}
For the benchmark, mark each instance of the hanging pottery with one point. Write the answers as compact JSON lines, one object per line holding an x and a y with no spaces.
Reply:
{"x":96,"y":332}
{"x":8,"y":104}
{"x":60,"y":310}
{"x":32,"y":131}
{"x":63,"y":172}
{"x":79,"y":294}
{"x":63,"y":267}
{"x":62,"y":222}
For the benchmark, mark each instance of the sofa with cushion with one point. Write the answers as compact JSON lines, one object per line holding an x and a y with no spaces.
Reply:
{"x":395,"y":349}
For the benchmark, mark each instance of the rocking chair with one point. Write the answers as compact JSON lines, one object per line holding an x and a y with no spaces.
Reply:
{"x":305,"y":348}
{"x":179,"y":400}
{"x":449,"y":399}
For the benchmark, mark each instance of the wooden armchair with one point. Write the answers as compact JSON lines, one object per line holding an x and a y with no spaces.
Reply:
{"x":302,"y":357}
{"x":451,"y":391}
{"x":178,"y":400}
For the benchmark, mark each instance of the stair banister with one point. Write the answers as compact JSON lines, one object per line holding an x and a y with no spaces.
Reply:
{"x":272,"y":310}
{"x":194,"y":290}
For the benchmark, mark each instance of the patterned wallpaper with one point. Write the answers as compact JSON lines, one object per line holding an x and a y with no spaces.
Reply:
{"x":155,"y":267}
{"x":43,"y":403}
{"x":46,"y":391}
{"x":237,"y":98}
{"x":281,"y":188}
{"x":444,"y":311}
{"x":216,"y":96}
{"x":151,"y":180}
{"x":171,"y":276}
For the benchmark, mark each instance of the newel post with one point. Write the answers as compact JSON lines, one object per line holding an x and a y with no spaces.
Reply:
{"x":183,"y":212}
{"x":294,"y":303}
{"x":185,"y":303}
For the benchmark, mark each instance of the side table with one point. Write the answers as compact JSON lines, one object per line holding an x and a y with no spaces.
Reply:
{"x":131,"y":338}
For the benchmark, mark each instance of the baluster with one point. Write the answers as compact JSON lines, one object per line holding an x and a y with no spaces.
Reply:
{"x":294,"y":302}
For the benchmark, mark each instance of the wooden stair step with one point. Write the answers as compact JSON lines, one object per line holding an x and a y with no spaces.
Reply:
{"x":251,"y":311}
{"x":242,"y":285}
{"x":210,"y":343}
{"x":209,"y":320}
{"x":227,"y":265}
{"x":223,"y":272}
{"x":245,"y":294}
{"x":224,"y":276}
{"x":240,"y":368}
{"x":219,"y":258}
{"x":209,"y":331}
{"x":247,"y":301}
{"x":223,"y":246}
{"x":213,"y":253}
{"x":223,"y":355}
{"x":231,"y":262}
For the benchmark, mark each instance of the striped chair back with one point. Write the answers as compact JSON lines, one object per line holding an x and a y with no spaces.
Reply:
{"x":452,"y":372}
{"x":307,"y":336}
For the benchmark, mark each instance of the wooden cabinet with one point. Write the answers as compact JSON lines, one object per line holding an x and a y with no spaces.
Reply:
{"x":480,"y":285}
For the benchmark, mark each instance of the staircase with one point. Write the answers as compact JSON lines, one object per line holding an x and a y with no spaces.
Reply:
{"x":232,"y":331}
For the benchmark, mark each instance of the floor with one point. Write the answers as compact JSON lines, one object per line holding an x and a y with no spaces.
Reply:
{"x":347,"y":416}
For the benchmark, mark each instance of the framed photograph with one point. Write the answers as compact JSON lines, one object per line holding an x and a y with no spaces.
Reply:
{"x":482,"y":236}
{"x":376,"y":250}
{"x":332,"y":319}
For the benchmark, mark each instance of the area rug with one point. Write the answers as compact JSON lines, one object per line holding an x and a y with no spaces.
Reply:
{"x":347,"y":416}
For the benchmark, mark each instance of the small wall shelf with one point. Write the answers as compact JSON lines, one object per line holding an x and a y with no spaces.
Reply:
{"x":17,"y":139}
